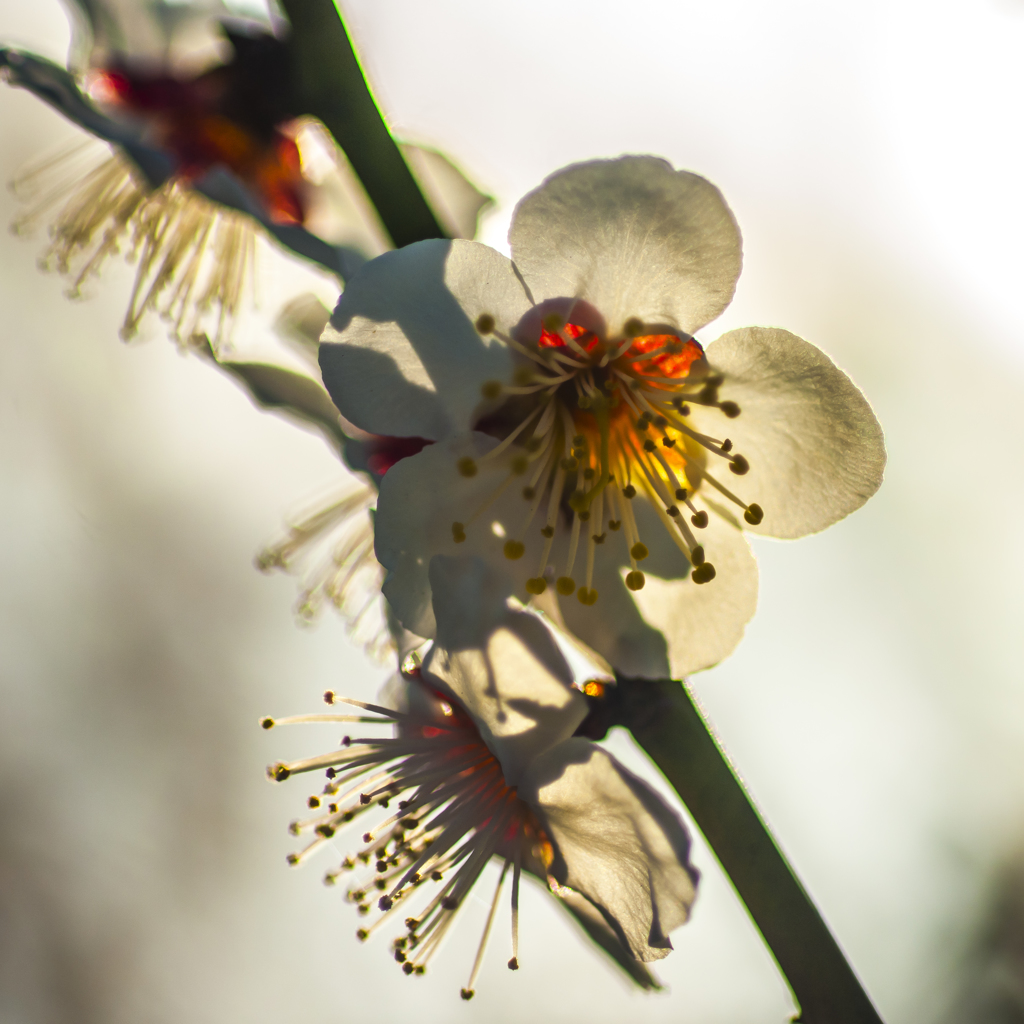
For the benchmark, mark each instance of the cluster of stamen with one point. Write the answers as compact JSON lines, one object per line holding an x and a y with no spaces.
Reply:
{"x":195,"y":259}
{"x":586,"y":426}
{"x":450,"y":813}
{"x":330,"y":549}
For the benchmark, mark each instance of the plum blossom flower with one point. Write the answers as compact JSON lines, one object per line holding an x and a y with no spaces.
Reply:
{"x":482,"y":764}
{"x":582,"y":432}
{"x":211,"y":154}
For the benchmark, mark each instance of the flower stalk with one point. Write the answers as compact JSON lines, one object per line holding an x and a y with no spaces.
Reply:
{"x":669,"y":725}
{"x":330,"y":85}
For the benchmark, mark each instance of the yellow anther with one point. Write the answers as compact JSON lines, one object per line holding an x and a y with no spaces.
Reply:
{"x":633,"y":327}
{"x":514,"y":549}
{"x":485,"y":323}
{"x":466,"y":993}
{"x":639,"y":551}
{"x":466,"y":466}
{"x":635,"y":580}
{"x":292,"y":859}
{"x":565,"y":585}
{"x":490,"y":388}
{"x":520,"y":464}
{"x":700,"y":520}
{"x":313,"y":802}
{"x":739,"y":465}
{"x":278,"y":772}
{"x":547,"y":531}
{"x":578,"y":501}
{"x":753,"y":514}
{"x":536,"y":585}
{"x":587,"y":596}
{"x":614,"y":524}
{"x":629,"y":491}
{"x":267,"y":723}
{"x":362,"y":935}
{"x":328,"y":696}
{"x":458,"y":532}
{"x":593,"y":688}
{"x":703,"y":573}
{"x":731,"y":409}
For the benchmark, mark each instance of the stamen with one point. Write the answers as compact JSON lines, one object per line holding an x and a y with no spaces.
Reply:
{"x":467,"y":992}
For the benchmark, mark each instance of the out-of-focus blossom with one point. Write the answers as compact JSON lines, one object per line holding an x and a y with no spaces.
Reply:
{"x":482,"y":763}
{"x":209,"y":142}
{"x":328,"y":542}
{"x":563,"y":385}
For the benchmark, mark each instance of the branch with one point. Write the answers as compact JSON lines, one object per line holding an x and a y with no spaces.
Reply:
{"x":329,"y":84}
{"x":667,"y":723}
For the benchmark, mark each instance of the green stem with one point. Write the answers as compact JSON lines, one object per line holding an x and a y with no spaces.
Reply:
{"x":329,"y":84}
{"x":667,"y":723}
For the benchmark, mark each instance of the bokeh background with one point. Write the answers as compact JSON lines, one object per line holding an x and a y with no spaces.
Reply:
{"x":873,"y":157}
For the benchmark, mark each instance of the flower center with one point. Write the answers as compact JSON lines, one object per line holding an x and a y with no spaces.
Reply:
{"x":454,"y":811}
{"x":590,"y":424}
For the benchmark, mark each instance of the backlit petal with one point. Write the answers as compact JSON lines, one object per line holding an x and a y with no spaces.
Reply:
{"x":633,"y":237}
{"x":703,"y":624}
{"x":501,"y":665}
{"x":814,"y":447}
{"x":617,"y":842}
{"x":402,"y":355}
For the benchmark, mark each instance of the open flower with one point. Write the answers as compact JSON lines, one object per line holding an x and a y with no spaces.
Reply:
{"x":210,"y":146}
{"x":482,"y":763}
{"x":584,"y":434}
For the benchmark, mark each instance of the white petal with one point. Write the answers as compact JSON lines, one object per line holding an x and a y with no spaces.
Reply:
{"x":815,"y":449}
{"x":703,"y":623}
{"x":617,"y":842}
{"x":501,"y":665}
{"x":615,"y":627}
{"x":420,"y":498}
{"x":402,"y":355}
{"x":633,"y":237}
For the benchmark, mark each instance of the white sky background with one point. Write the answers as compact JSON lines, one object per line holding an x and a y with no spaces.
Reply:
{"x":876,"y":709}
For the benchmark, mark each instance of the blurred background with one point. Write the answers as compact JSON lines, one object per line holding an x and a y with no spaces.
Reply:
{"x":873,"y":158}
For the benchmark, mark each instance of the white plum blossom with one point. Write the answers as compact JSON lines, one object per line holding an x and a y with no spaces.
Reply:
{"x":580,"y":430}
{"x":482,"y":762}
